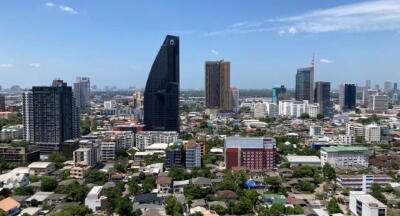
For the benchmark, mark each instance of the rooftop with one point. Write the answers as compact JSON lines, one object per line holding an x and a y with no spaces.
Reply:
{"x":40,"y":164}
{"x":303,"y":159}
{"x":367,"y":199}
{"x":8,"y":203}
{"x":336,"y":149}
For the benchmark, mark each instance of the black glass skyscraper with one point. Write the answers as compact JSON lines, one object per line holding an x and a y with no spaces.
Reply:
{"x":305,"y":84}
{"x":50,"y":116}
{"x":347,"y":96}
{"x":323,"y":97}
{"x":161,"y":95}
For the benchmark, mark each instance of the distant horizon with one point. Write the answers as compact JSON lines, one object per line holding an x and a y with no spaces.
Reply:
{"x":265,"y":41}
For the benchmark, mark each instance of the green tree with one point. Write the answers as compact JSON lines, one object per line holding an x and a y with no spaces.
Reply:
{"x":119,"y":167}
{"x":48,"y":184}
{"x":333,"y":206}
{"x":58,"y":159}
{"x":85,"y":126}
{"x":306,"y":186}
{"x":23,"y":191}
{"x":219,"y":209}
{"x":172,"y":206}
{"x":376,"y":191}
{"x":74,"y":210}
{"x":195,"y":192}
{"x":304,"y":171}
{"x":329,"y":172}
{"x":243,"y":206}
{"x":124,"y":207}
{"x":178,"y":173}
{"x":96,"y":177}
{"x":304,"y":116}
{"x":274,"y":183}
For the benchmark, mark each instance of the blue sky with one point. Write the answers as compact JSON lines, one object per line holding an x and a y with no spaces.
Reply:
{"x":115,"y":42}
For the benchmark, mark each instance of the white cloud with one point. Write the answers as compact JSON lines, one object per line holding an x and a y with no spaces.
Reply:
{"x":368,"y":16}
{"x":50,"y":4}
{"x":63,"y":8}
{"x":67,"y":9}
{"x":215,"y":52}
{"x":326,"y":61}
{"x":35,"y":65}
{"x":292,"y":30}
{"x":6,"y":65}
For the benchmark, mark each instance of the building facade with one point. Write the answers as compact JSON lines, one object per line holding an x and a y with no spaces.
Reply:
{"x":251,"y":153}
{"x":82,"y":92}
{"x":278,"y":93}
{"x":50,"y":116}
{"x":305,"y":84}
{"x":323,"y":98}
{"x":161,"y":95}
{"x":372,"y":133}
{"x":235,"y":99}
{"x":352,"y":157}
{"x":363,"y":204}
{"x":347,"y":96}
{"x":146,"y":138}
{"x":217,"y":84}
{"x":192,"y":155}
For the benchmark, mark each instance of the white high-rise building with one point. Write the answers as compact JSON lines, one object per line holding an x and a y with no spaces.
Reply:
{"x":95,"y":200}
{"x":260,"y":110}
{"x":272,"y":109}
{"x":313,"y":110}
{"x":82,"y":91}
{"x":354,"y":129}
{"x":366,"y":95}
{"x":109,"y":104}
{"x":372,"y":133}
{"x":387,"y":86}
{"x":363,"y":204}
{"x":108,"y":151}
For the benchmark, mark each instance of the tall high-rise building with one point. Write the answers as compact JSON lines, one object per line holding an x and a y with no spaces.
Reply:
{"x":323,"y":97}
{"x":305,"y":84}
{"x":368,"y":84}
{"x":377,"y":87}
{"x":387,"y":86}
{"x":347,"y":96}
{"x":366,"y":95}
{"x":278,"y":93}
{"x":395,"y":86}
{"x":161,"y":95}
{"x":82,"y":92}
{"x":217,"y":77}
{"x":50,"y":116}
{"x":235,"y":99}
{"x":2,"y":103}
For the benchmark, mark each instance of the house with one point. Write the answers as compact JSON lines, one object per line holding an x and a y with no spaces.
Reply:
{"x":163,"y":184}
{"x":202,"y":182}
{"x":95,"y":199}
{"x":178,"y":186}
{"x":40,"y":197}
{"x":32,"y":211}
{"x":12,"y":180}
{"x":41,"y":168}
{"x":226,"y":194}
{"x":10,"y":206}
{"x":148,"y":198}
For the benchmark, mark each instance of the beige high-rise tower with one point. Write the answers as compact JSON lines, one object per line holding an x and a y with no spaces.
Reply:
{"x":218,"y":80}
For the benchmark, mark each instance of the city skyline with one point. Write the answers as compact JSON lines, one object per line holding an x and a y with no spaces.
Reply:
{"x":70,"y":39}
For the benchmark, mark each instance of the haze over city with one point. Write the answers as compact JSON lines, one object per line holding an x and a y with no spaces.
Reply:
{"x":265,"y":41}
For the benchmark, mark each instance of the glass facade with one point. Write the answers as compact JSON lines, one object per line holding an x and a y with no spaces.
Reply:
{"x":161,"y":95}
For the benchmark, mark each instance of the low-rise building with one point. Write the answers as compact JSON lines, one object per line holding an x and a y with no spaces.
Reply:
{"x":10,"y":206}
{"x":95,"y":200}
{"x":146,"y":138}
{"x":362,"y":182}
{"x":345,"y":156}
{"x":302,"y":160}
{"x":363,"y":204}
{"x":19,"y":154}
{"x":192,"y":155}
{"x":163,"y":184}
{"x":11,"y":133}
{"x":41,"y":168}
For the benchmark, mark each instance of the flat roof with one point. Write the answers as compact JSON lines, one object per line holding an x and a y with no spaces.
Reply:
{"x":40,"y":164}
{"x":303,"y":159}
{"x":333,"y":149}
{"x":367,"y":199}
